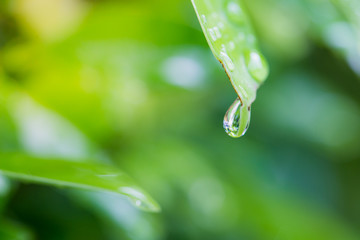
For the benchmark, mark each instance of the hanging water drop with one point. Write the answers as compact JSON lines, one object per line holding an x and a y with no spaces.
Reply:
{"x":237,"y":119}
{"x":257,"y":66}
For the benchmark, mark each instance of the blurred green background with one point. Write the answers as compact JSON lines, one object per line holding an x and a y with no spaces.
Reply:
{"x":134,"y":83}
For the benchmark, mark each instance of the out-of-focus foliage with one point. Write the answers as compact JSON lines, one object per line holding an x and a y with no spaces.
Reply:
{"x":79,"y":175}
{"x":134,"y":84}
{"x":11,"y":231}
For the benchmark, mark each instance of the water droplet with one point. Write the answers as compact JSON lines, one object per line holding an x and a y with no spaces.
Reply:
{"x":226,"y":60}
{"x":231,"y":45}
{"x":235,"y":13}
{"x":139,"y":199}
{"x":257,"y":66}
{"x":237,"y":119}
{"x":143,"y":205}
{"x":251,"y":39}
{"x":240,"y":37}
{"x":212,"y":34}
{"x":203,"y":17}
{"x":217,"y":32}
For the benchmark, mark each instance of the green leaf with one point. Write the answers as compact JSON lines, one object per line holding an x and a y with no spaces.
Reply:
{"x":75,"y":174}
{"x":13,"y":231}
{"x":232,"y":40}
{"x":5,"y":188}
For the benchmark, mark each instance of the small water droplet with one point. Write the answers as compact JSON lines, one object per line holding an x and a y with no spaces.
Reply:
{"x":257,"y":66}
{"x":251,"y":39}
{"x":139,"y":199}
{"x":235,"y":13}
{"x":141,"y":204}
{"x":231,"y":45}
{"x":217,"y":32}
{"x":226,"y":60}
{"x":241,"y":37}
{"x":212,"y":34}
{"x":203,"y":17}
{"x":137,"y":203}
{"x":237,"y":119}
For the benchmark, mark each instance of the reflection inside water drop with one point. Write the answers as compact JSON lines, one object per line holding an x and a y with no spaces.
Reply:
{"x":237,"y":119}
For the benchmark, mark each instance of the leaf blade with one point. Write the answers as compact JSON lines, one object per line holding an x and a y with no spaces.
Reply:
{"x":229,"y":34}
{"x":76,"y":175}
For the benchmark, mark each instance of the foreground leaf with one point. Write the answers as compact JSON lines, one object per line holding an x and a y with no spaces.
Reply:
{"x":75,"y":174}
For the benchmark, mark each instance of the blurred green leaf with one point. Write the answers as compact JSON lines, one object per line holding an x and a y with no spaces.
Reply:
{"x":5,"y":188}
{"x":118,"y":220}
{"x":75,"y":174}
{"x":13,"y":231}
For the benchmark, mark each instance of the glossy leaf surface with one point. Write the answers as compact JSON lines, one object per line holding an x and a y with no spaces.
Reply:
{"x":74,"y":174}
{"x":232,"y":41}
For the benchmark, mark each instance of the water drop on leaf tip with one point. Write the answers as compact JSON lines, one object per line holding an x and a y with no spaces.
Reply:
{"x":237,"y":119}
